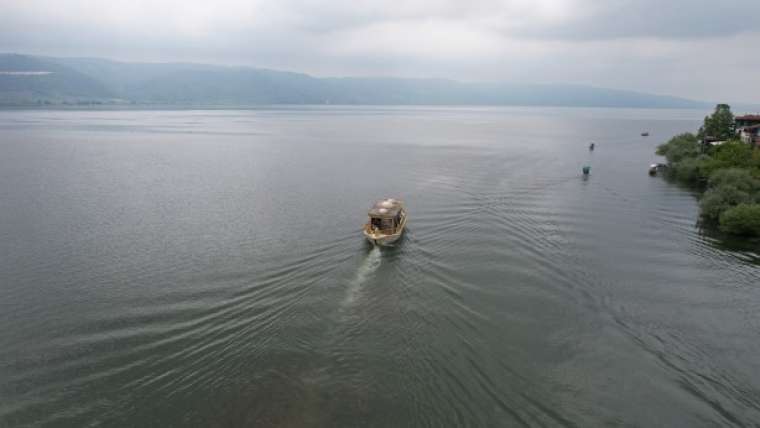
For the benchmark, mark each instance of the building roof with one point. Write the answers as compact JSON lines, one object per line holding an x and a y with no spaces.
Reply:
{"x":751,"y":117}
{"x":386,"y":208}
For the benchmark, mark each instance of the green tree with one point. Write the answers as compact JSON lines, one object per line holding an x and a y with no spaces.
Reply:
{"x":754,"y":163}
{"x":719,"y":125}
{"x":692,"y":170}
{"x":735,"y":177}
{"x":680,"y":147}
{"x":728,"y":188}
{"x":743,"y":219}
{"x":718,"y":200}
{"x":733,"y":154}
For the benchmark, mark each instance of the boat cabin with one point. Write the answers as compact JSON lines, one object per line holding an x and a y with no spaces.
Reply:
{"x":386,"y":216}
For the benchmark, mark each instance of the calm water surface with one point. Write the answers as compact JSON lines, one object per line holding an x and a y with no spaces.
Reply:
{"x":206,"y":268}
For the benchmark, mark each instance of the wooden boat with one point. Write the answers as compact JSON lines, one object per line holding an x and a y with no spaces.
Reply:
{"x":387,"y":219}
{"x":591,"y":147}
{"x":586,"y":170}
{"x":644,"y":134}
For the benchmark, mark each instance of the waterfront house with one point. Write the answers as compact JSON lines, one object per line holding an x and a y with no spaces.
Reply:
{"x":750,"y":134}
{"x":747,"y":120}
{"x":748,"y":128}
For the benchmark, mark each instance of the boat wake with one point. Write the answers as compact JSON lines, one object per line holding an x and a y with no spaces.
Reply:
{"x":368,"y":266}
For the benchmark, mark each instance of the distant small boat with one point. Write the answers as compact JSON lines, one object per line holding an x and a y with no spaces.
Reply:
{"x":591,"y":147}
{"x":644,"y":134}
{"x":387,"y":219}
{"x":656,"y":167}
{"x":586,"y":170}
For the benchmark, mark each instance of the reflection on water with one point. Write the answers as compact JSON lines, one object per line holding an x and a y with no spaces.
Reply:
{"x":205,"y":268}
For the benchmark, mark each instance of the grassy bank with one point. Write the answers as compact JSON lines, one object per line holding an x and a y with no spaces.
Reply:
{"x":727,"y":173}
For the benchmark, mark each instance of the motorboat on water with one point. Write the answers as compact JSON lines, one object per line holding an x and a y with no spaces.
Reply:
{"x":657,"y":167}
{"x":387,"y":219}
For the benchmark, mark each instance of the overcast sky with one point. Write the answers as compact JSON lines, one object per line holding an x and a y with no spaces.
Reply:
{"x":693,"y":48}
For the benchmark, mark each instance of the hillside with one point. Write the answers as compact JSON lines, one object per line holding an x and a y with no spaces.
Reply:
{"x":27,"y":80}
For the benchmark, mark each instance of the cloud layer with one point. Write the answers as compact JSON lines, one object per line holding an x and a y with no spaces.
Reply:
{"x":691,"y":48}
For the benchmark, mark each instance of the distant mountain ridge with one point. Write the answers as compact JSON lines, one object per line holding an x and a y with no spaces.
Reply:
{"x":34,"y":80}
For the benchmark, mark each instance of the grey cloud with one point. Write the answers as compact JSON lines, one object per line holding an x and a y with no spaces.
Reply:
{"x":646,"y":45}
{"x":680,"y":19}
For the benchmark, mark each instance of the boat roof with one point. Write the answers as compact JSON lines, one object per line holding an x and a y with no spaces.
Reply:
{"x":386,"y":208}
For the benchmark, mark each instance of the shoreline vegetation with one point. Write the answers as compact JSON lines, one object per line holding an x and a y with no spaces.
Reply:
{"x":723,"y":168}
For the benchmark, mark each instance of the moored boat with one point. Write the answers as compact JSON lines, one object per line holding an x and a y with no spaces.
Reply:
{"x":645,"y":134}
{"x":387,"y":219}
{"x":657,"y":167}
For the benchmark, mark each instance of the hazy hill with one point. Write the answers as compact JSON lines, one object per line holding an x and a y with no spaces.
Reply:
{"x":97,"y":80}
{"x":26,"y":80}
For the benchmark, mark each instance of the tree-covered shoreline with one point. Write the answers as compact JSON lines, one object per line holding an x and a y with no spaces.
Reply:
{"x":726,"y":169}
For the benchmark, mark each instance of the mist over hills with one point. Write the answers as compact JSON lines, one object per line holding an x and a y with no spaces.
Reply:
{"x":33,"y":80}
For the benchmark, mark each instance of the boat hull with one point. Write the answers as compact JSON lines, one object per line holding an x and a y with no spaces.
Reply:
{"x":382,"y":240}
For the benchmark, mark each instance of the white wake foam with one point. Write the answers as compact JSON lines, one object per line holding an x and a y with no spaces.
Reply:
{"x":365,"y":270}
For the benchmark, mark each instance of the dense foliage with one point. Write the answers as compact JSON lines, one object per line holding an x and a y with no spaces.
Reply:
{"x":680,"y":147}
{"x":743,"y":219}
{"x":729,"y":173}
{"x":719,"y":125}
{"x":728,"y":188}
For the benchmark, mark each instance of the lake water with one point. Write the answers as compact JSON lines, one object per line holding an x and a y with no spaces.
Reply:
{"x":206,"y":268}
